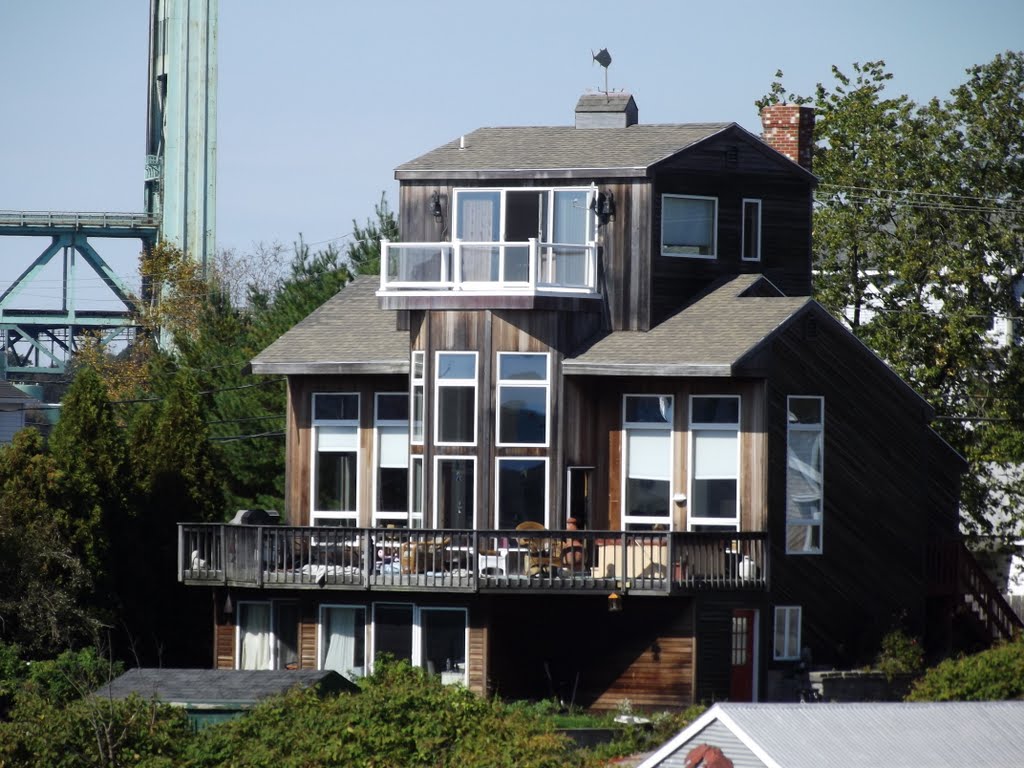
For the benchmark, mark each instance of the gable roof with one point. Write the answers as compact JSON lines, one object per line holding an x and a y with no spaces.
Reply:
{"x":924,"y":735}
{"x":348,"y":333}
{"x":10,"y":392}
{"x":709,"y":337}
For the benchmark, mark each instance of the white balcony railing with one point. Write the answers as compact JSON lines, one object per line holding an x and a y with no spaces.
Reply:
{"x":527,"y":267}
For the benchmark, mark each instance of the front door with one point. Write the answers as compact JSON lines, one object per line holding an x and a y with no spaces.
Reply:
{"x":741,"y":684}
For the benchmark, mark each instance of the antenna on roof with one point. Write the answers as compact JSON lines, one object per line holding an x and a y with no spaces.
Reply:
{"x":603,"y":58}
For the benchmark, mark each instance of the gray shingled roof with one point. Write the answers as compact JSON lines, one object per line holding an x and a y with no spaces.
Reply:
{"x":349,"y":333}
{"x":706,"y":338}
{"x":210,"y":686}
{"x":604,"y":102}
{"x":924,"y":735}
{"x":10,"y":392}
{"x":572,"y":151}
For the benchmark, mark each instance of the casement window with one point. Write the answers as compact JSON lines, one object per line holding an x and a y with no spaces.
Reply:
{"x":714,"y":463}
{"x":433,"y":638}
{"x":417,"y":378}
{"x":689,"y":226}
{"x":342,"y":640}
{"x":560,"y":219}
{"x":647,"y":461}
{"x":391,"y":423}
{"x":805,"y":438}
{"x":455,"y":486}
{"x":787,"y":632}
{"x":455,"y":398}
{"x":267,"y":635}
{"x":522,"y":398}
{"x":751,"y":238}
{"x":335,"y":459}
{"x":522,"y":491}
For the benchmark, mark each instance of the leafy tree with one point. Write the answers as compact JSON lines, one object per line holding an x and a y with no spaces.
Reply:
{"x":992,"y":675}
{"x":363,"y":252}
{"x":918,"y":246}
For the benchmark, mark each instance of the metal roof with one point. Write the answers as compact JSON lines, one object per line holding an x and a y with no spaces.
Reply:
{"x":348,"y":334}
{"x":894,"y":735}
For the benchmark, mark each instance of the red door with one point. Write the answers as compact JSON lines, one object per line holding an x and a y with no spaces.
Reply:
{"x":741,"y":684}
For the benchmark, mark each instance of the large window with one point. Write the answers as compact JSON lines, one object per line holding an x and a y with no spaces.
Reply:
{"x":417,"y":375}
{"x":343,"y":640}
{"x":787,"y":632}
{"x":751,"y":248}
{"x":804,"y":467}
{"x":455,"y":398}
{"x":432,"y":638}
{"x":522,"y":398}
{"x":522,"y":491}
{"x":335,"y":459}
{"x":391,"y":420}
{"x":455,"y":484}
{"x":647,"y":424}
{"x":714,"y":463}
{"x":689,"y":226}
{"x":268,"y":635}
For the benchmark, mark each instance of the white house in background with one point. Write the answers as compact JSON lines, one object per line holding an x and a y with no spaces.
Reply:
{"x":12,"y":410}
{"x":926,"y":735}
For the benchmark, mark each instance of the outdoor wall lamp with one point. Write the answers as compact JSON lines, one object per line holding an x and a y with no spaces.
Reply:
{"x":603,"y":205}
{"x":435,"y":206}
{"x":614,"y":603}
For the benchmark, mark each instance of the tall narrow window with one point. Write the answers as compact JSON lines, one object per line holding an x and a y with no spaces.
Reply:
{"x":689,"y":226}
{"x":417,"y":377}
{"x":392,"y":451}
{"x":336,"y":459}
{"x":455,"y":398}
{"x":751,"y":230}
{"x":455,"y":483}
{"x":522,"y":398}
{"x":254,"y":636}
{"x":416,"y":493}
{"x":804,"y":474}
{"x":343,"y":640}
{"x":787,"y":632}
{"x":714,"y":463}
{"x":647,"y":424}
{"x":522,"y":491}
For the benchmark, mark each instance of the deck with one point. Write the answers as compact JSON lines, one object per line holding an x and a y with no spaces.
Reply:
{"x":470,"y":561}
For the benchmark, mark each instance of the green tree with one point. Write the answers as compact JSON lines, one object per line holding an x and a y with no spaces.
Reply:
{"x":363,"y":252}
{"x":918,"y":247}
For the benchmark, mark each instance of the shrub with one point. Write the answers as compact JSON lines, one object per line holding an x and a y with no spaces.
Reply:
{"x":901,"y":654}
{"x":993,"y":675}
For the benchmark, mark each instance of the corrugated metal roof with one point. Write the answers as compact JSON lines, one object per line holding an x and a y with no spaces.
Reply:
{"x":561,"y":148}
{"x":707,"y":337}
{"x":180,"y":686}
{"x":349,"y":333}
{"x":893,"y":735}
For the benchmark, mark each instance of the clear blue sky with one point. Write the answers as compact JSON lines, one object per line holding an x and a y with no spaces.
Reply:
{"x":320,"y":100}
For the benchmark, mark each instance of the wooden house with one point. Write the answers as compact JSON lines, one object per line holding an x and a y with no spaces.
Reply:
{"x":589,"y":437}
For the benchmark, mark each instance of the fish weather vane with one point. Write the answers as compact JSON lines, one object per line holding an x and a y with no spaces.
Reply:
{"x":603,"y":58}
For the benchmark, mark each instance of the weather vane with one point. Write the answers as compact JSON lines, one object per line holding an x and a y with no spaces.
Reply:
{"x":603,"y":58}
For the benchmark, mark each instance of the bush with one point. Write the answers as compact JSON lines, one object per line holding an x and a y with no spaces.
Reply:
{"x":993,"y":675}
{"x":901,"y":654}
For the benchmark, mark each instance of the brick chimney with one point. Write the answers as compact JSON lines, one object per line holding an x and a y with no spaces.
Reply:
{"x":789,"y":129}
{"x":606,"y":110}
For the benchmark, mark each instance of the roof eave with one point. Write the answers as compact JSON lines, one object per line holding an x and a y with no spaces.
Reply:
{"x":468,"y":174}
{"x":332,"y":367}
{"x":586,"y":368}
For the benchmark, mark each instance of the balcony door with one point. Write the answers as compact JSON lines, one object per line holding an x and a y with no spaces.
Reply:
{"x":525,"y":217}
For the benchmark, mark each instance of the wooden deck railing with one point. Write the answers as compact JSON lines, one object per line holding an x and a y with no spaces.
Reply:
{"x":463,"y":560}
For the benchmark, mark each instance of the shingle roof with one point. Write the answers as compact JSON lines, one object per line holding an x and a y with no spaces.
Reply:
{"x":10,"y":392}
{"x":708,"y":337}
{"x":920,"y":735}
{"x":620,"y":151}
{"x":349,"y":333}
{"x":180,"y":686}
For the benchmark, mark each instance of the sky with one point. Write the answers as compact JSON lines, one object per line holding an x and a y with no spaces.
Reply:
{"x":319,"y":100}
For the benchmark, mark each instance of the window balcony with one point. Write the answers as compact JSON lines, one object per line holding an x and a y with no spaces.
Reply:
{"x":494,"y":561}
{"x":521,"y":274}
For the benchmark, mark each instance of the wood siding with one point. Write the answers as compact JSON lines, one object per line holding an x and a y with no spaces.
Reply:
{"x":224,"y":643}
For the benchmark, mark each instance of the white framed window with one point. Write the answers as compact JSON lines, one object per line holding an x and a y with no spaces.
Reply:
{"x":714,"y":463}
{"x":267,"y":635}
{"x":751,"y":238}
{"x":335,"y":475}
{"x":416,"y":491}
{"x":455,"y":492}
{"x":560,"y":218}
{"x":787,"y":632}
{"x":342,"y":640}
{"x":391,"y":480}
{"x":455,"y":398}
{"x":522,"y":397}
{"x":522,"y":483}
{"x":689,"y":226}
{"x":647,"y":461}
{"x":805,"y":464}
{"x":417,"y":375}
{"x":434,"y":638}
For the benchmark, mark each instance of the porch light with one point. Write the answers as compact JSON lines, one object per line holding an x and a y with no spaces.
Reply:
{"x":614,"y":603}
{"x":228,"y":607}
{"x":603,"y":205}
{"x":435,"y":206}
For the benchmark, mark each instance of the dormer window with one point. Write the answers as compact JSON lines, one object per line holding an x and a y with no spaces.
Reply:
{"x":689,"y":226}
